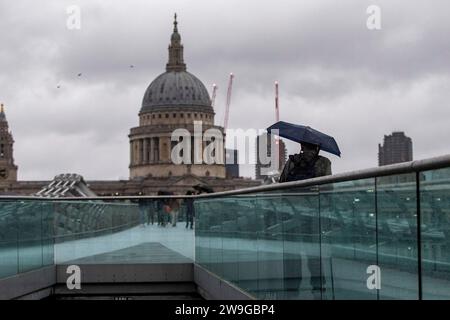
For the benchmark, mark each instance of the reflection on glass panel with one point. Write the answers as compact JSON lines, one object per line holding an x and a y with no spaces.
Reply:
{"x":348,"y":239}
{"x":37,"y":233}
{"x":131,"y":231}
{"x":269,"y":219}
{"x":239,"y":254}
{"x":202,"y":247}
{"x":138,"y":231}
{"x":231,"y":209}
{"x":8,"y":238}
{"x":47,"y":233}
{"x":303,"y":275}
{"x":208,"y":229}
{"x":81,"y":229}
{"x":30,"y":236}
{"x":435,"y":233}
{"x":216,"y":211}
{"x":318,"y":243}
{"x":397,"y":236}
{"x":247,"y":252}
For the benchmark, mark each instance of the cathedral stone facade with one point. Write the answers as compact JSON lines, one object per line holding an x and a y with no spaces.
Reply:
{"x":174,"y":100}
{"x":8,"y":170}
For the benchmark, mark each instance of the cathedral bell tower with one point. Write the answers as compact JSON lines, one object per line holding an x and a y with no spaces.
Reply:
{"x":8,"y":170}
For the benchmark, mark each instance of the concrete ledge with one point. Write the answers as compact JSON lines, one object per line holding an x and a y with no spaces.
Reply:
{"x":29,"y":285}
{"x":125,"y":289}
{"x":130,"y":273}
{"x":38,"y":295}
{"x":212,"y":287}
{"x":101,"y":278}
{"x":121,"y":279}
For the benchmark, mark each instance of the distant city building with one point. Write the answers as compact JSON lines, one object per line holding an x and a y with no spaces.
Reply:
{"x":396,"y":148}
{"x":282,"y":155}
{"x":231,"y":163}
{"x":8,"y":170}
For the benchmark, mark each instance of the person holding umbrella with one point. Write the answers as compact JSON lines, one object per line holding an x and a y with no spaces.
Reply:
{"x":307,"y":164}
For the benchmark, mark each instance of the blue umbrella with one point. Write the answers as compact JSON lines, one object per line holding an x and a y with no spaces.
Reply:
{"x":299,"y":133}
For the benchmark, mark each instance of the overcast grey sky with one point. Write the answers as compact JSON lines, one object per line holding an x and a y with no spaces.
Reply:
{"x":335,"y":75}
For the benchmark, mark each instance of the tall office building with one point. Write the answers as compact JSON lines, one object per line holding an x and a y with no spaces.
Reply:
{"x":396,"y":148}
{"x":231,"y":163}
{"x":282,"y":154}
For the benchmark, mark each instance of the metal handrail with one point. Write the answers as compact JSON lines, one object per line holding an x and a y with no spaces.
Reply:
{"x":395,"y":169}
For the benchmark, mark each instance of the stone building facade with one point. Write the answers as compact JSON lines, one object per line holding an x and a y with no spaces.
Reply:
{"x":174,"y":100}
{"x":8,"y":170}
{"x":265,"y":141}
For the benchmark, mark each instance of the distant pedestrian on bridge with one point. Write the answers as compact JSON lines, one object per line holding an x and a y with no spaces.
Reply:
{"x":189,"y":203}
{"x":174,"y":206}
{"x":143,"y":208}
{"x":162,"y":208}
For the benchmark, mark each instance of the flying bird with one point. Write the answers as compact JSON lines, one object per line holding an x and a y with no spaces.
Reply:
{"x":79,"y":74}
{"x":131,"y":66}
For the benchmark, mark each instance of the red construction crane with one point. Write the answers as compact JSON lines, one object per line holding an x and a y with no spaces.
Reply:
{"x":227,"y":108}
{"x":213,"y":96}
{"x":277,"y":110}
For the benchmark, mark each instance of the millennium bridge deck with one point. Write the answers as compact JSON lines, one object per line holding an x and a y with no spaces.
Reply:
{"x":313,"y":239}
